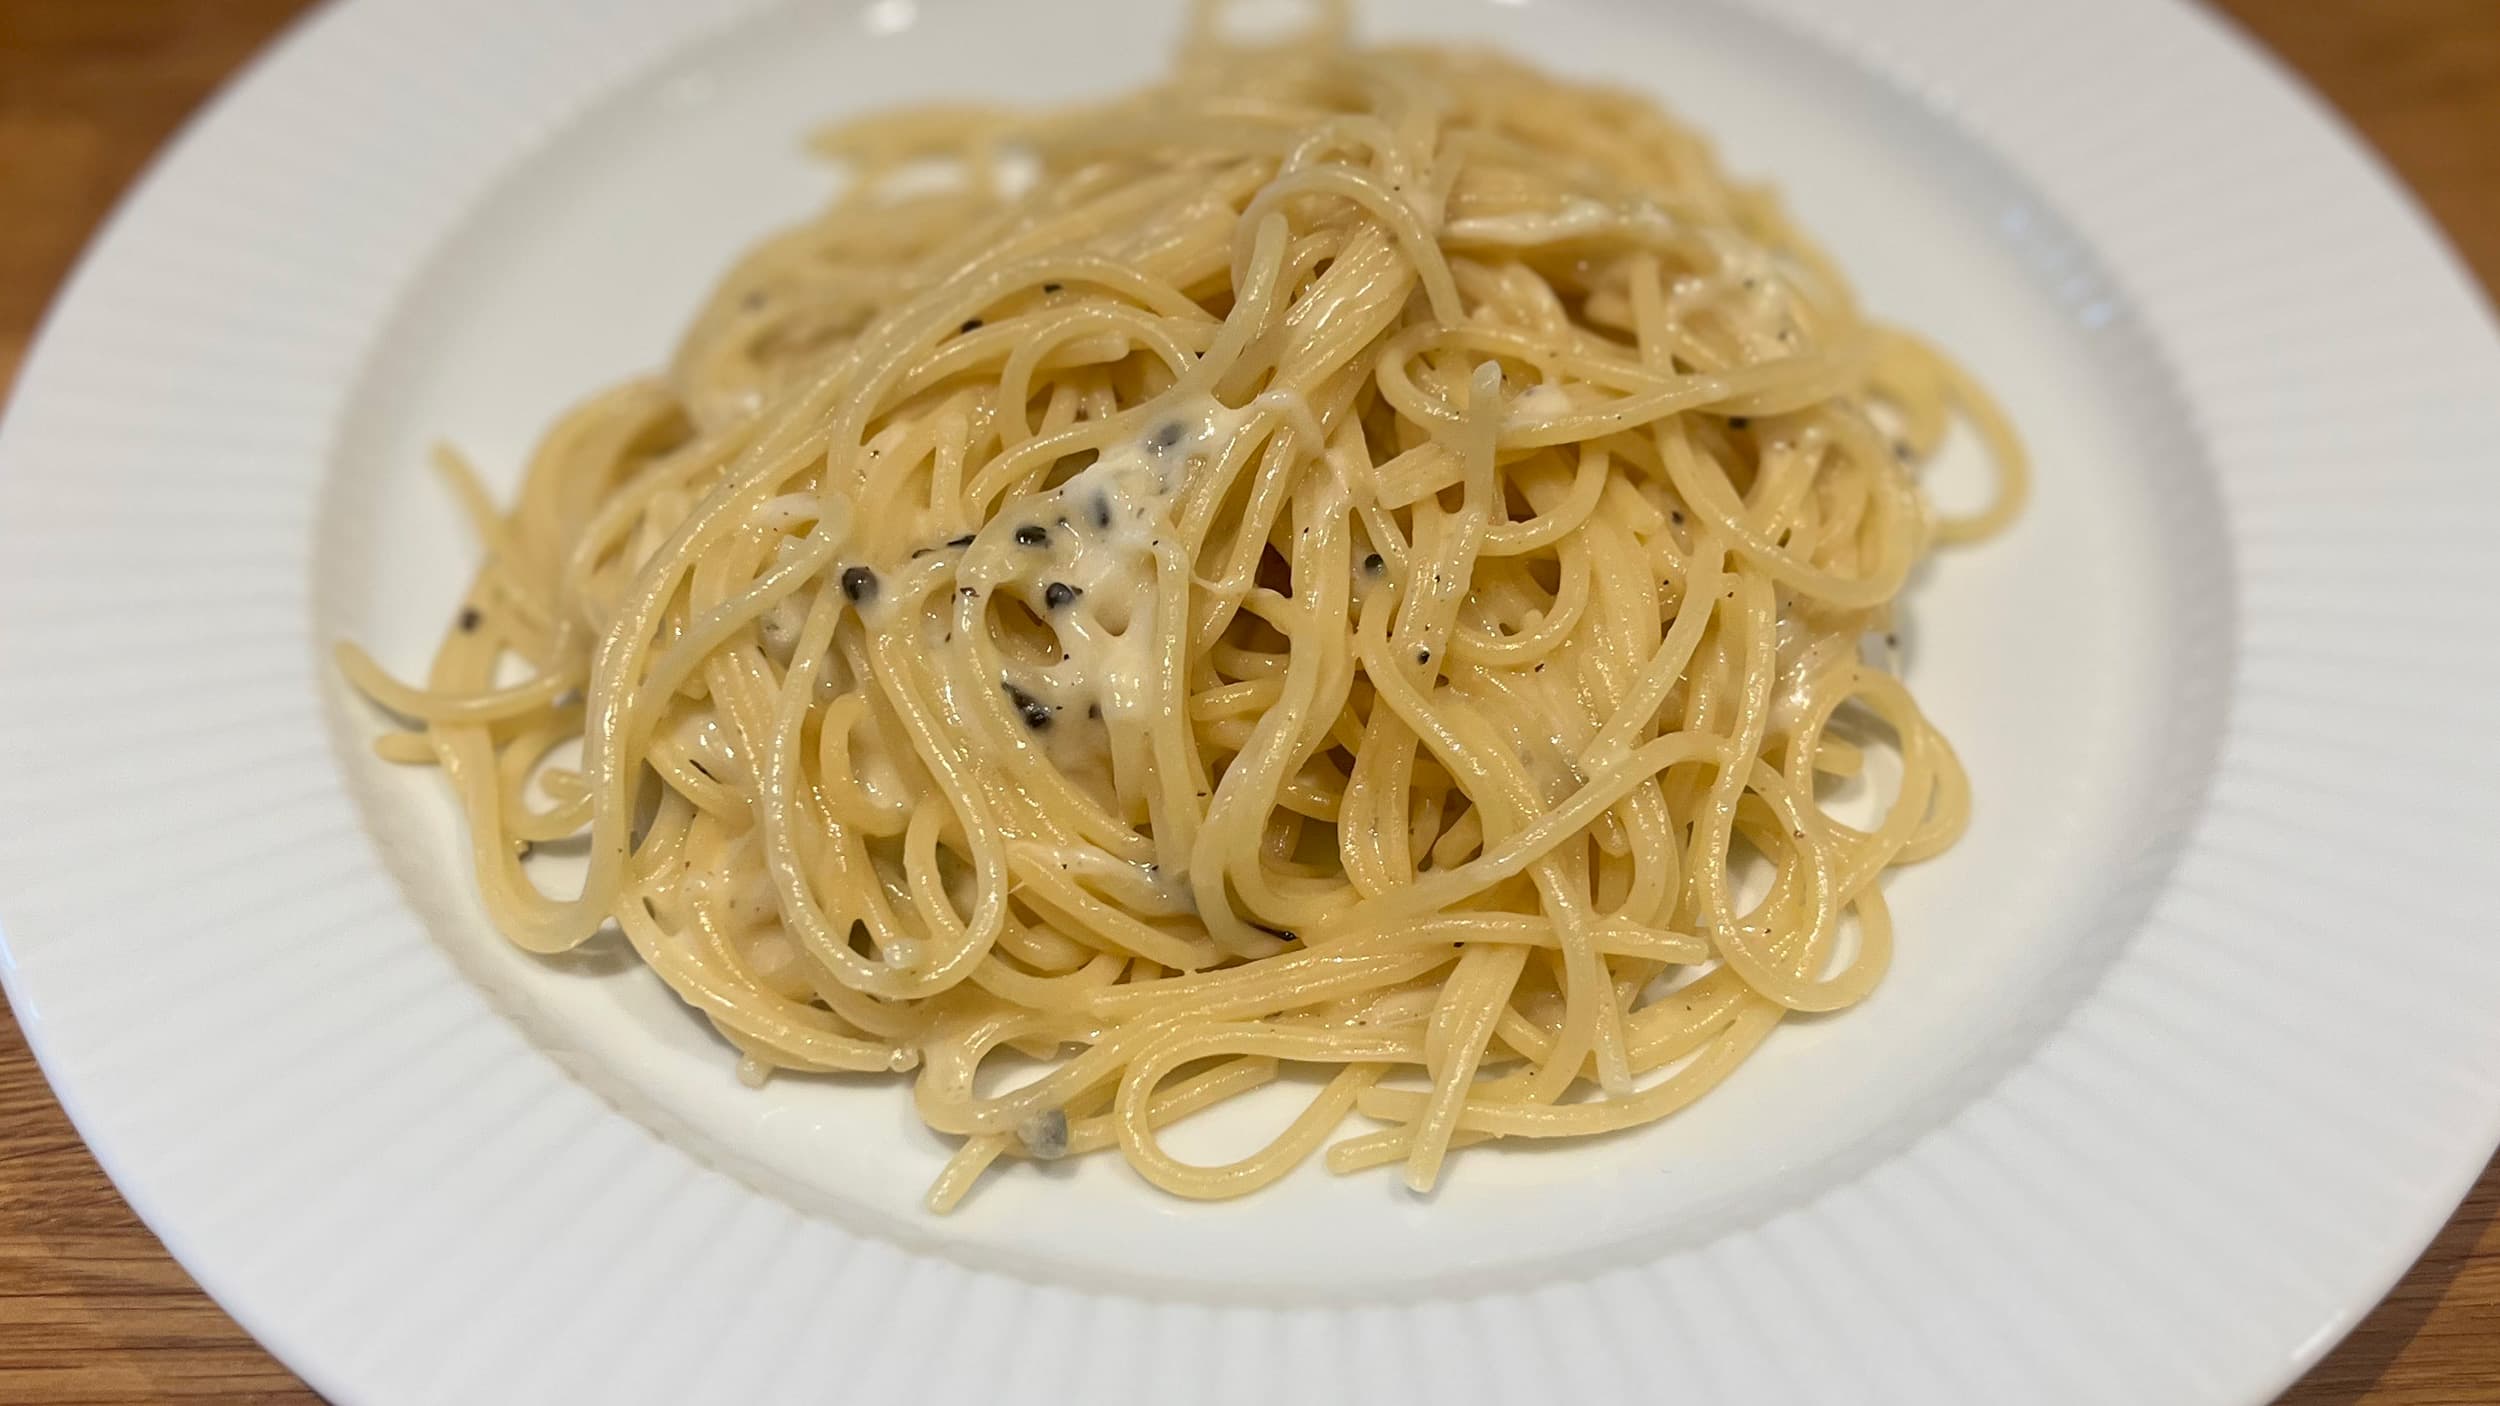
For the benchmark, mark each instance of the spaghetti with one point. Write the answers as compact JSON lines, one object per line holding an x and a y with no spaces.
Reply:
{"x":1374,"y":562}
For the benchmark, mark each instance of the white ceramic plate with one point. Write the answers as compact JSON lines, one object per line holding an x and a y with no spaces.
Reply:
{"x":2188,"y":1049}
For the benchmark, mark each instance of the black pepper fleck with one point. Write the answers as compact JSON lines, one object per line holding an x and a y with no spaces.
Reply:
{"x":859,"y":584}
{"x":1059,"y":593}
{"x":1045,"y":1134}
{"x":1423,"y":656}
{"x":971,"y":324}
{"x":1094,"y":711}
{"x":1052,"y":287}
{"x":1901,"y":449}
{"x":1032,"y":535}
{"x":1375,"y":564}
{"x":1102,"y":511}
{"x":470,"y":619}
{"x":1168,"y":435}
{"x":1036,"y":712}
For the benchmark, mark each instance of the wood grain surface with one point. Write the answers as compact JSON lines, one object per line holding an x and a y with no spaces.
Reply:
{"x":91,"y":1307}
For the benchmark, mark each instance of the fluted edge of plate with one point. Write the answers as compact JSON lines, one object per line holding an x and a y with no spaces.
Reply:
{"x":2346,"y":387}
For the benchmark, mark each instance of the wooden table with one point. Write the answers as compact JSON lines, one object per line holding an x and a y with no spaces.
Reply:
{"x":92,"y":1309}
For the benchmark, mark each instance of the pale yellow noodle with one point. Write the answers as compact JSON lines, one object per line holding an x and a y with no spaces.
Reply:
{"x":1351,"y":559}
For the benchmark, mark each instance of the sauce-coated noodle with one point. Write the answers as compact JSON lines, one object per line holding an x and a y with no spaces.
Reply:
{"x":1376,"y":561}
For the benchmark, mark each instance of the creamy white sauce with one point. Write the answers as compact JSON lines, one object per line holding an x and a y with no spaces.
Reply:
{"x":778,"y":629}
{"x":1082,"y":557}
{"x":1749,"y":276}
{"x":1095,"y":537}
{"x":1540,"y":402}
{"x":771,"y":954}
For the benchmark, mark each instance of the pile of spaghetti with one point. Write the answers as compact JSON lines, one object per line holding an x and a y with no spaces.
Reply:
{"x":1365,"y":564}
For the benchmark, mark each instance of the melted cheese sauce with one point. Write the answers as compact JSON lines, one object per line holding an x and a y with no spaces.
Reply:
{"x":1081,"y":557}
